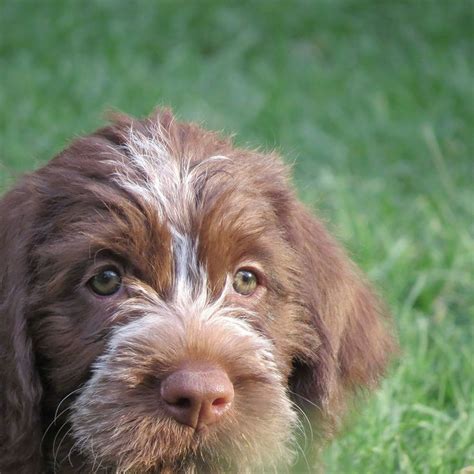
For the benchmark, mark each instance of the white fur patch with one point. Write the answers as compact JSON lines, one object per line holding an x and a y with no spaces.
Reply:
{"x":168,"y":183}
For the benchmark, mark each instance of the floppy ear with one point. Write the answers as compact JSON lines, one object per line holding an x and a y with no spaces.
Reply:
{"x":352,"y":330}
{"x":20,"y":388}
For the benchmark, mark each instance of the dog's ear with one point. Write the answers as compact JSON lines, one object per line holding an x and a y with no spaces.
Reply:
{"x":352,"y":337}
{"x":20,"y":388}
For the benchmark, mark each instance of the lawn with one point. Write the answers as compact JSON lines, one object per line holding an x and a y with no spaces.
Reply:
{"x":373,"y":103}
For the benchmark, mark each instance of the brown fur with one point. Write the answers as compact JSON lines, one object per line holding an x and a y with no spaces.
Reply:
{"x":80,"y":375}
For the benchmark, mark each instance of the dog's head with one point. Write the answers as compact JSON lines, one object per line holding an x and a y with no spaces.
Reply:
{"x":166,"y":303}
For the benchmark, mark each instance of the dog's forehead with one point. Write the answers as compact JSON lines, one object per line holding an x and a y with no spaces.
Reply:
{"x":182,"y":181}
{"x":167,"y":200}
{"x":208,"y":201}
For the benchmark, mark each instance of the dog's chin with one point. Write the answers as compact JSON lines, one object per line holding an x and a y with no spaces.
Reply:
{"x":150,"y":444}
{"x":159,"y":446}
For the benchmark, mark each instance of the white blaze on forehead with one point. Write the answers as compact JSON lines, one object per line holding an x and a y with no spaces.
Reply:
{"x":168,"y":183}
{"x":153,"y":171}
{"x":190,"y":278}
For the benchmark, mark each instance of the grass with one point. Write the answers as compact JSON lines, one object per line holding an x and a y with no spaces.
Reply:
{"x":372,"y":101}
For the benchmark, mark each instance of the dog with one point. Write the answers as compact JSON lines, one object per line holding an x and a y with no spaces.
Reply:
{"x":168,"y":305}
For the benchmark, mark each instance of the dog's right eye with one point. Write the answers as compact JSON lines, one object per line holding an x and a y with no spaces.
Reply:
{"x":107,"y":282}
{"x":245,"y":282}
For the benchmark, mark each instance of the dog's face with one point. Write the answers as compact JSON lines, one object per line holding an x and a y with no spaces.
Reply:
{"x":168,"y":305}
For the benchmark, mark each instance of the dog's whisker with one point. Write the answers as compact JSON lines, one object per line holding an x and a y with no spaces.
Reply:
{"x":57,"y":450}
{"x":56,"y":415}
{"x":305,"y":399}
{"x":69,"y":454}
{"x":53,"y":422}
{"x":64,"y":399}
{"x":303,"y":449}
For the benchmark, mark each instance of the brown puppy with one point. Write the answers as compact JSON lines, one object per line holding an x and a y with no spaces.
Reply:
{"x":167,"y":305}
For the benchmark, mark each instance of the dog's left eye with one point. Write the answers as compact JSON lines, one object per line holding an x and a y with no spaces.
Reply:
{"x":245,"y":282}
{"x":106,"y":282}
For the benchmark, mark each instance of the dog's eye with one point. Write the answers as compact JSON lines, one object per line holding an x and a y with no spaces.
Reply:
{"x":245,"y":282}
{"x":106,"y":282}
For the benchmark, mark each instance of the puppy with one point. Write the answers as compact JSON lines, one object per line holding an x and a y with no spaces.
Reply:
{"x":167,"y":305}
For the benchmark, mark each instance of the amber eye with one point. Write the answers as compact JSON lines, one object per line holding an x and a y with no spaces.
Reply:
{"x":106,"y":282}
{"x":245,"y":282}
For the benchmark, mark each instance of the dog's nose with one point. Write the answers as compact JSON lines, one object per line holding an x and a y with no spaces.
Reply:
{"x":197,"y":395}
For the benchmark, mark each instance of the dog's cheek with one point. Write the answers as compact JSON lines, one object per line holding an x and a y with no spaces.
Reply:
{"x":279,"y":320}
{"x":68,"y":336}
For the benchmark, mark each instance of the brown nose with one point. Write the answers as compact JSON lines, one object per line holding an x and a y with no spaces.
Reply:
{"x":197,"y":395}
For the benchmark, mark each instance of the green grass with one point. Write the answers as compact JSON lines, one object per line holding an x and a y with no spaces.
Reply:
{"x":372,"y":100}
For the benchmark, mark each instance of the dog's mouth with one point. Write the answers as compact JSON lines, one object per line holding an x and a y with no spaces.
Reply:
{"x":204,"y":398}
{"x":128,"y":431}
{"x":165,"y":447}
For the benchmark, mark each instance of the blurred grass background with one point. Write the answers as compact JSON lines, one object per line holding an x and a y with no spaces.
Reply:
{"x":373,"y":103}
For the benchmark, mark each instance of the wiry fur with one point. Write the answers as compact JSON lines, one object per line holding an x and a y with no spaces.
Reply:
{"x":178,"y":210}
